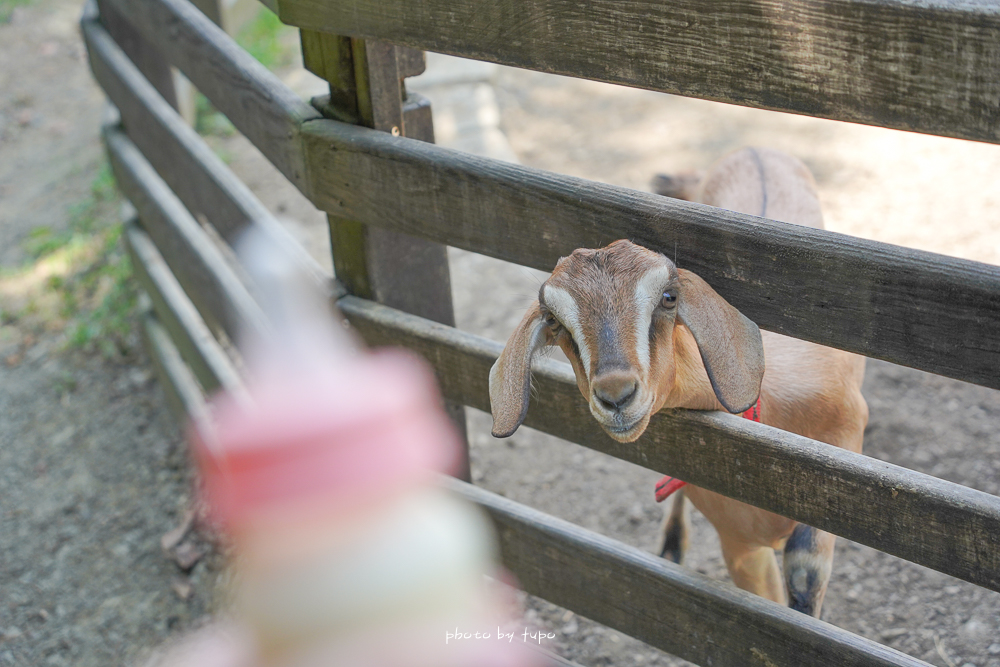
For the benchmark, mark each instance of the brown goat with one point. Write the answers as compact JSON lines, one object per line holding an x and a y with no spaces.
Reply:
{"x":642,"y":335}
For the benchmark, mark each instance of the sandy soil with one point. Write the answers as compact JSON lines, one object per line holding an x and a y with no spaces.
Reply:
{"x":92,"y":471}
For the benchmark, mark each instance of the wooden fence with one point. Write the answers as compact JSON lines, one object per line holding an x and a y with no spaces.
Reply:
{"x":364,"y":155}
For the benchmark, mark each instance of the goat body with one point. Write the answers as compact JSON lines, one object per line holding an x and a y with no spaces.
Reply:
{"x":642,"y":335}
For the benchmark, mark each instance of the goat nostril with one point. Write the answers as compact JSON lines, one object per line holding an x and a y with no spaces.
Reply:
{"x":616,"y":397}
{"x":603,"y":401}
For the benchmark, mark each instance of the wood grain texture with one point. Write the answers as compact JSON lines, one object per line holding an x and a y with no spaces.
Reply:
{"x":206,"y":275}
{"x":254,"y":99}
{"x":912,"y":64}
{"x":174,"y":310}
{"x":201,"y":180}
{"x":945,"y":526}
{"x":663,"y":604}
{"x":910,"y":307}
{"x":147,"y":58}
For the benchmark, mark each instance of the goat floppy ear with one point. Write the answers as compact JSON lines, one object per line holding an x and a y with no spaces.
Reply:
{"x":730,"y":344}
{"x":510,"y":377}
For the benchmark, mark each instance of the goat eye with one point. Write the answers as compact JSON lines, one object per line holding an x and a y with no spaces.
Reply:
{"x":551,"y":321}
{"x":669,"y":300}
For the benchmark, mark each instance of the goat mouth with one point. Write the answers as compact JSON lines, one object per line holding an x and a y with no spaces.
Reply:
{"x":629,"y":432}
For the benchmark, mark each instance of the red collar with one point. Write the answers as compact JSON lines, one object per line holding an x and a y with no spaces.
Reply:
{"x":668,"y":484}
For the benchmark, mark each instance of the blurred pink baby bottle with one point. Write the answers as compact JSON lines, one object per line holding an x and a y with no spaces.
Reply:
{"x":348,"y":552}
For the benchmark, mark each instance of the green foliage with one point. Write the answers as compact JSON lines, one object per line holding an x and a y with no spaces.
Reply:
{"x":101,"y":299}
{"x":267,"y":39}
{"x":80,"y":279}
{"x":7,"y":9}
{"x":103,"y":187}
{"x":82,"y":219}
{"x":42,"y":241}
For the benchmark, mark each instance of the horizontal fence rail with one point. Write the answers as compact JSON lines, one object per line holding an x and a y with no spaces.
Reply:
{"x":199,"y":178}
{"x":939,"y":524}
{"x":182,"y":390}
{"x":257,"y":103}
{"x":910,"y":307}
{"x":911,"y":65}
{"x":192,"y":337}
{"x":171,"y":145}
{"x":220,"y":296}
{"x":662,"y":604}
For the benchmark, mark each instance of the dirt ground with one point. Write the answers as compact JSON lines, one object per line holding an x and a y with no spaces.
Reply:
{"x":93,"y":471}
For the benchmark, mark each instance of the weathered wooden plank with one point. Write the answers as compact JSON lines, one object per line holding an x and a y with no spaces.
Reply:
{"x":406,"y":272}
{"x":379,"y":85}
{"x":253,"y":98}
{"x":910,"y":307}
{"x":417,"y":117}
{"x":945,"y":526}
{"x":183,"y":393}
{"x":663,"y":604}
{"x":912,"y":65}
{"x":146,"y":57}
{"x":205,"y":273}
{"x":201,"y":180}
{"x":178,"y":315}
{"x":412,"y":62}
{"x":187,"y":164}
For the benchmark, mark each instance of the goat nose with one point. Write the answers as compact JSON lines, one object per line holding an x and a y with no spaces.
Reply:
{"x":615,"y":392}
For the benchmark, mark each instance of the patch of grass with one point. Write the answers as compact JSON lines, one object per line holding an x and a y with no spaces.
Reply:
{"x":82,"y":219}
{"x":103,"y":186}
{"x":78,"y":280}
{"x":43,"y":241}
{"x":101,"y":299}
{"x":268,"y":40}
{"x":7,"y":9}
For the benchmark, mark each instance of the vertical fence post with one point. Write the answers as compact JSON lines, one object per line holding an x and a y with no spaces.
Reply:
{"x":366,"y":88}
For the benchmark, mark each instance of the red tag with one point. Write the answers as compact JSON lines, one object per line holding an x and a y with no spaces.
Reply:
{"x":753,"y":414}
{"x":666,"y":486}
